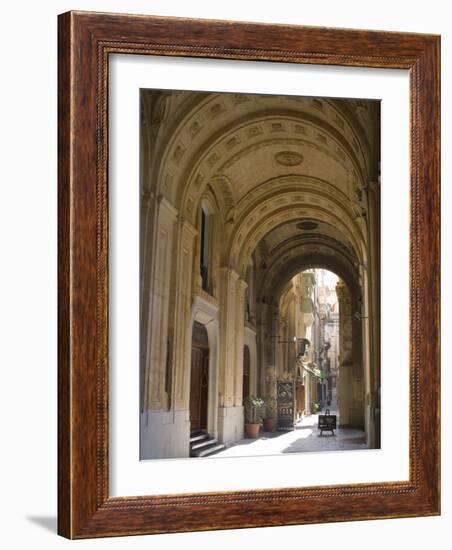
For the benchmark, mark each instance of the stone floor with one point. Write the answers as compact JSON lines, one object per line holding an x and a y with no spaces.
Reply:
{"x":304,"y":438}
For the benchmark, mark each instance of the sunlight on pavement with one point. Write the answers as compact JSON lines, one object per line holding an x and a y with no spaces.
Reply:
{"x":305,"y":437}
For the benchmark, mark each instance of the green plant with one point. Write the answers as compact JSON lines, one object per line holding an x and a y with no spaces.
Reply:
{"x":315,"y":407}
{"x":319,"y":373}
{"x":270,"y":406}
{"x":254,"y":407}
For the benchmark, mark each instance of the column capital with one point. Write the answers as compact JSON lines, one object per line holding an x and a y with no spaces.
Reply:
{"x":242,"y":285}
{"x":166,"y":208}
{"x":373,"y":185}
{"x":187,"y":227}
{"x":228,"y":273}
{"x":342,"y":291}
{"x":283,"y":321}
{"x":145,"y":197}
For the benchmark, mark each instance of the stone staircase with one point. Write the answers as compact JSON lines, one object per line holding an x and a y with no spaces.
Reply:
{"x":202,"y":444}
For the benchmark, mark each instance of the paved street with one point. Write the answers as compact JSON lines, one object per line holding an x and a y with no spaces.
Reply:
{"x":304,"y":438}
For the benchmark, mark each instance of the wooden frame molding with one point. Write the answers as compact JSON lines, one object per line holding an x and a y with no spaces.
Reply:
{"x":85,"y":42}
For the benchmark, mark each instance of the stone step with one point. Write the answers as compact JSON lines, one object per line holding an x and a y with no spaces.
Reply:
{"x":204,"y":443}
{"x":198,"y":436}
{"x":215,"y":448}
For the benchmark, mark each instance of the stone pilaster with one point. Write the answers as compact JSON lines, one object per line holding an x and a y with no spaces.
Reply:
{"x":272,"y":332}
{"x":345,"y":390}
{"x":148,"y":230}
{"x":263,"y":334}
{"x":182,"y":311}
{"x":228,"y":303}
{"x":282,"y":366}
{"x":239,"y":341}
{"x":156,"y":396}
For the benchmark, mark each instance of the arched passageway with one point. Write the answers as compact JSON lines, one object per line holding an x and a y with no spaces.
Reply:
{"x":245,"y":198}
{"x":317,"y":349}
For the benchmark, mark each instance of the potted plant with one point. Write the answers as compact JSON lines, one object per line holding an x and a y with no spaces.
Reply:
{"x":315,"y":407}
{"x":253,"y":416}
{"x":270,"y":413}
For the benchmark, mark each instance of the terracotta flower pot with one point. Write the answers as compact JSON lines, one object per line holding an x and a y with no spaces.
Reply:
{"x":269,"y":424}
{"x":252,"y":430}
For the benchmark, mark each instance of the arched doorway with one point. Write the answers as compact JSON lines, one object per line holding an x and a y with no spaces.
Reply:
{"x":199,"y":378}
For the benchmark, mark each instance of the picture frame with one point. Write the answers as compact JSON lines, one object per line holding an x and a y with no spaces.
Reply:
{"x":86,"y":40}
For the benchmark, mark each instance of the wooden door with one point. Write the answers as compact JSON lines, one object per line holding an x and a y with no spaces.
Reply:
{"x":300,"y":399}
{"x":199,"y":386}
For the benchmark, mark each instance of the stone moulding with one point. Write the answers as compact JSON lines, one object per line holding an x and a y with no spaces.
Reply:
{"x":289,"y":158}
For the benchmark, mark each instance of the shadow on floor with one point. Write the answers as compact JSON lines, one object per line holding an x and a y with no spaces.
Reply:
{"x":265,"y":435}
{"x":49,"y":523}
{"x":355,"y":440}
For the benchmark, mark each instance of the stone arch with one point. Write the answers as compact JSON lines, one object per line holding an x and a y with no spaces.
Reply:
{"x":224,"y":187}
{"x":285,"y":273}
{"x":276,"y":293}
{"x":328,"y":250}
{"x":216,"y":126}
{"x":230,"y":120}
{"x":287,"y":198}
{"x":200,"y":175}
{"x":243,"y":244}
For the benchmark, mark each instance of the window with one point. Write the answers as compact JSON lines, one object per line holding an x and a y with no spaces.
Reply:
{"x":204,"y":256}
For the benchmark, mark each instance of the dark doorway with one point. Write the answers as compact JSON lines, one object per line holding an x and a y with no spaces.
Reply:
{"x":300,"y":394}
{"x":199,"y":380}
{"x":246,"y":372}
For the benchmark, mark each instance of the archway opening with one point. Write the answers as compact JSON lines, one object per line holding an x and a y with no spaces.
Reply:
{"x":310,"y":294}
{"x":309,"y":342}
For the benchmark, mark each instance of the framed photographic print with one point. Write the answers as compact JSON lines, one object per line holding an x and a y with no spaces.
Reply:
{"x":248,"y":275}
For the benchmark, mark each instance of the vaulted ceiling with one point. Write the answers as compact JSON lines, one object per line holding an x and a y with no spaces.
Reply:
{"x":289,"y":174}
